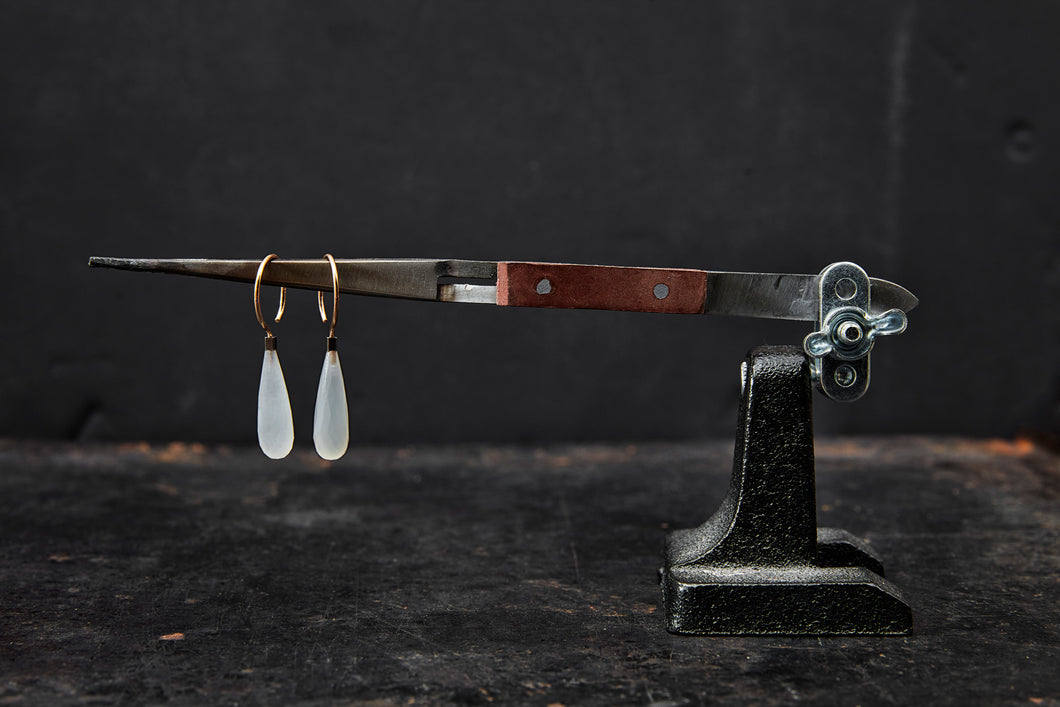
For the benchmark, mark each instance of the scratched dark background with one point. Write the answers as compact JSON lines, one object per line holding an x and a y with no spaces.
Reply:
{"x":917,"y":139}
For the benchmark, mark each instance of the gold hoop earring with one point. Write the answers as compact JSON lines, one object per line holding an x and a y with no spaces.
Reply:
{"x":275,"y":422}
{"x":331,"y":417}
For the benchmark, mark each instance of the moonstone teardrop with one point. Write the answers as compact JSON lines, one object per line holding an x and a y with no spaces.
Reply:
{"x":331,"y":419}
{"x":275,"y":424}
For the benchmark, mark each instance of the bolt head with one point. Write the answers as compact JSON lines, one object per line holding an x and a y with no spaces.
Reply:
{"x":850,"y":332}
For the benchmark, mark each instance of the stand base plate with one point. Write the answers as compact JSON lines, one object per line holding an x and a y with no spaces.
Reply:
{"x":790,"y":600}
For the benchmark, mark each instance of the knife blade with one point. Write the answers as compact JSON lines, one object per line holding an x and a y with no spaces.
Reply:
{"x":550,"y":285}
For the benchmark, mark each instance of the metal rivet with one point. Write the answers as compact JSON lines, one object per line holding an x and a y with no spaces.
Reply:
{"x":661,"y":291}
{"x":544,"y":286}
{"x":846,"y":289}
{"x":845,"y":376}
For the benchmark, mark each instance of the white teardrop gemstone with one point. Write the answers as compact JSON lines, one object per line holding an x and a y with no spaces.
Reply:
{"x":331,"y":419}
{"x":275,"y":423}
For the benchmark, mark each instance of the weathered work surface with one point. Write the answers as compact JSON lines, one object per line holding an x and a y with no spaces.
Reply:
{"x":473,"y":575}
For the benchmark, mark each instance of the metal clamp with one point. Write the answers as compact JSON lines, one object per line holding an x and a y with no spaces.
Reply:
{"x":847,"y":332}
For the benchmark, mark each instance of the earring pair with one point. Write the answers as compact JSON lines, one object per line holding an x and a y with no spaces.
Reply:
{"x":331,"y":421}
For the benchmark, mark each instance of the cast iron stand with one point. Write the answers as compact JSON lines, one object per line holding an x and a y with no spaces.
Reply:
{"x":761,"y":565}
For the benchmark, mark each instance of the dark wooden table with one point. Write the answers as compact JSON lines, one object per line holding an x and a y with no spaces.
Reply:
{"x":493,"y":575}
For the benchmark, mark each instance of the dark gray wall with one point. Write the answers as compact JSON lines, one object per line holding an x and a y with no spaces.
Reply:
{"x":918,"y":139}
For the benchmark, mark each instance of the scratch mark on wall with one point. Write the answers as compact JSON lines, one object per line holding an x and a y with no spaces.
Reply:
{"x":897,"y":112}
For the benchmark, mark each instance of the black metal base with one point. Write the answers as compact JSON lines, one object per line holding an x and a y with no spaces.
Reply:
{"x":760,"y":565}
{"x":808,"y":600}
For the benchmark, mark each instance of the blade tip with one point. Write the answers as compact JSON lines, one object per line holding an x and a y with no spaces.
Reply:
{"x":101,"y":261}
{"x":911,"y":300}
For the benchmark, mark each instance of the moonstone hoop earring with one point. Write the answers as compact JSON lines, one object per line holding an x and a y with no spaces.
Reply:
{"x":331,"y":418}
{"x":275,"y":423}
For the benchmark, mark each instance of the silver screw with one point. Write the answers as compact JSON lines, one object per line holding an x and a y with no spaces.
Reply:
{"x":845,"y":376}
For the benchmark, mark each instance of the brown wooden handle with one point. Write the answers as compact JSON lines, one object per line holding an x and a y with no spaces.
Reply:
{"x":565,"y":286}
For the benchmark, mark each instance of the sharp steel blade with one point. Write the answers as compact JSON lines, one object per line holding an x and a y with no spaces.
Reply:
{"x":407,"y":278}
{"x":785,"y":296}
{"x":763,"y":295}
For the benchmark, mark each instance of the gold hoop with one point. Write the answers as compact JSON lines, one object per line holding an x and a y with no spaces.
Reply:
{"x":257,"y":297}
{"x":335,"y":297}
